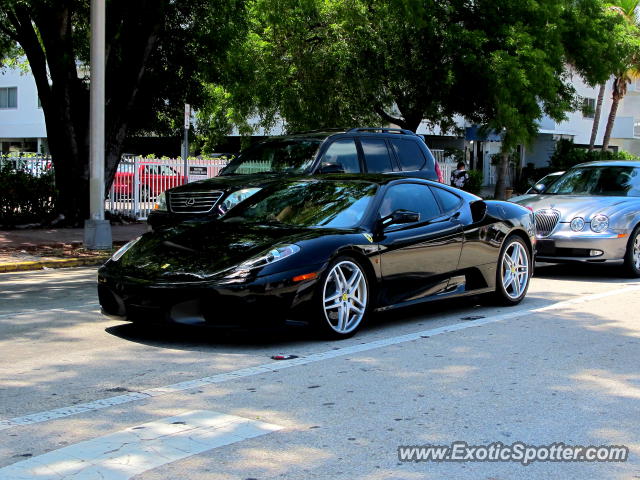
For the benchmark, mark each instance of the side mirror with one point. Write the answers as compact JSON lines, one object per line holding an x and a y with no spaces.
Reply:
{"x":399,"y":217}
{"x":539,"y":188}
{"x":478,"y":210}
{"x":330,"y":168}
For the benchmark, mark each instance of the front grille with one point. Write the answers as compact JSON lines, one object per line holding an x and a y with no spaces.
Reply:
{"x":546,"y":221}
{"x":193,"y":202}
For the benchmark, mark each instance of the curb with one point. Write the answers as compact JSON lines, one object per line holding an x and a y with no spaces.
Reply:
{"x":61,"y":263}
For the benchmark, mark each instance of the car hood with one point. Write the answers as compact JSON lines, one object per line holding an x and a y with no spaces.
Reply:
{"x":206,"y":250}
{"x":571,"y":206}
{"x":229,"y":182}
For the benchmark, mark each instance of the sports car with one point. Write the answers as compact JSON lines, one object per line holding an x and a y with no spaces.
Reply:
{"x":327,"y":251}
{"x":590,"y":214}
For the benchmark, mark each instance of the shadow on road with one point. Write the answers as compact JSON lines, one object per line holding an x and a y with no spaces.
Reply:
{"x":587,"y":272}
{"x":190,"y":337}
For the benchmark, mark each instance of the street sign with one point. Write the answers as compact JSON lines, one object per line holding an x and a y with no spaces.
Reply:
{"x":187,"y":116}
{"x":197,"y":173}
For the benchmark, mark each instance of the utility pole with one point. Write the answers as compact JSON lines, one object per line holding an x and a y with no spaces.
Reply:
{"x":185,"y":141}
{"x":97,"y":230}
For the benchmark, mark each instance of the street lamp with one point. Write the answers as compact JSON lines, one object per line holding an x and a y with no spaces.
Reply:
{"x":97,"y":230}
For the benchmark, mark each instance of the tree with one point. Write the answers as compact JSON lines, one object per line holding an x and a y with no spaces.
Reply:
{"x":631,"y":58}
{"x":532,"y":49}
{"x":596,"y":116}
{"x":155,"y":53}
{"x":335,"y":63}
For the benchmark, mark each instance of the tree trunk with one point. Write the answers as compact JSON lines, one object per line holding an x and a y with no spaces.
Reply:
{"x":596,"y":116}
{"x":610,"y":121}
{"x":501,"y":181}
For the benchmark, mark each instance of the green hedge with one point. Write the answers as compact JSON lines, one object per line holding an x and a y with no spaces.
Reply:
{"x":25,"y":197}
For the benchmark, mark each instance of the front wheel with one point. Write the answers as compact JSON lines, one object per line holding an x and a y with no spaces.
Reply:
{"x":632,"y":256}
{"x":514,"y":271}
{"x":343,"y":298}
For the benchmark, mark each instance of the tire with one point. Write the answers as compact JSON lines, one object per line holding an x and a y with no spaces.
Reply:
{"x":632,"y":255}
{"x":514,"y":258}
{"x":333,"y":301}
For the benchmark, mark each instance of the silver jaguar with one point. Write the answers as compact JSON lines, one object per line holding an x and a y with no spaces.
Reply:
{"x":591,"y":213}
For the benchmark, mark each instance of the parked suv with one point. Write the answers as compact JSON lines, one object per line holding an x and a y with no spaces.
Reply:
{"x":359,"y":150}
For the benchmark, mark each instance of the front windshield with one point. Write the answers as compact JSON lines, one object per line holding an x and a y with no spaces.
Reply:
{"x":278,"y":155}
{"x":313,"y":203}
{"x":612,"y":181}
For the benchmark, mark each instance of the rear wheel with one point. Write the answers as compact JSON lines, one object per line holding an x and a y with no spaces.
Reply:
{"x":514,"y":271}
{"x":343,"y":298}
{"x":632,"y":256}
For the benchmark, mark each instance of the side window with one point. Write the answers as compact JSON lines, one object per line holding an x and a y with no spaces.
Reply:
{"x":342,"y":152}
{"x":409,"y":154}
{"x":448,"y":200}
{"x":412,"y":197}
{"x":376,"y":155}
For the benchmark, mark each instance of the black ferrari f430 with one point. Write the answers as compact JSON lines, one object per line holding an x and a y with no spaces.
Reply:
{"x":324,"y":250}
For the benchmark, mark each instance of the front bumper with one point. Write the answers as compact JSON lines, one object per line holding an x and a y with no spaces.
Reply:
{"x":266,"y":299}
{"x":565,"y":245}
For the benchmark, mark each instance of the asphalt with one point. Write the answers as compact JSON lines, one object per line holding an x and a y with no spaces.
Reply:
{"x":560,"y":367}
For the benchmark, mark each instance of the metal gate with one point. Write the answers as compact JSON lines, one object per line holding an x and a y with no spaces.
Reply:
{"x":140,"y":180}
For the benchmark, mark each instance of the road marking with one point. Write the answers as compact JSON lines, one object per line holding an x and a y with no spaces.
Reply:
{"x":92,"y":305}
{"x":281,"y":365}
{"x":124,"y":454}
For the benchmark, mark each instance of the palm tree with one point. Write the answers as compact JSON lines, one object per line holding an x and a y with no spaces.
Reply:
{"x":596,"y":116}
{"x":627,"y":8}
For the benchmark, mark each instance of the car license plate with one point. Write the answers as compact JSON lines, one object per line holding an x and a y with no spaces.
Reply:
{"x":545,"y":247}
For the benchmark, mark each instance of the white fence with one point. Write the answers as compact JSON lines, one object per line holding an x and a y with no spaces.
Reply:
{"x":34,"y":163}
{"x":140,"y":180}
{"x":446,"y":164}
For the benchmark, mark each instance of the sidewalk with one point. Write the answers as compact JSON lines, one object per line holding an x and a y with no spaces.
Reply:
{"x":35,"y":249}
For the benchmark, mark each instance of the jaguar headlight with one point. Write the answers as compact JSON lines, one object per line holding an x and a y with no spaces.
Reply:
{"x":272,"y":256}
{"x":236,"y":197}
{"x":118,"y":255}
{"x":599,"y":223}
{"x":161,"y":202}
{"x":577,"y":224}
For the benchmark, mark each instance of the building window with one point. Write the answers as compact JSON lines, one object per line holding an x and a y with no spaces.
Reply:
{"x":8,"y":97}
{"x":588,"y":107}
{"x":636,"y":128}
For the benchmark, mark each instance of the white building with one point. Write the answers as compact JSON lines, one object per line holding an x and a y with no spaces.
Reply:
{"x":22,"y":126}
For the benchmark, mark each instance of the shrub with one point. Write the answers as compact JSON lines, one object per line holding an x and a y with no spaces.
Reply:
{"x":25,"y":197}
{"x":566,"y":155}
{"x":474,"y":184}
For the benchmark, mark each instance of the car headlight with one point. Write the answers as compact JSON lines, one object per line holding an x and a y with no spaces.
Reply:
{"x":599,"y":223}
{"x":577,"y":224}
{"x":236,"y":197}
{"x":272,"y":256}
{"x":118,"y":255}
{"x":161,"y":202}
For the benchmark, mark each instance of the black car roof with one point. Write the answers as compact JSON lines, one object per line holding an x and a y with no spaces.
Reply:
{"x":328,"y":132}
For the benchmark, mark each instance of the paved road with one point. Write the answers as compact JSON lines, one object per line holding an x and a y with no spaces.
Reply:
{"x":82,"y":396}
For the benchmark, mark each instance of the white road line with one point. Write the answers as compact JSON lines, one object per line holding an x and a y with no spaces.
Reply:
{"x":281,"y":365}
{"x":124,"y":454}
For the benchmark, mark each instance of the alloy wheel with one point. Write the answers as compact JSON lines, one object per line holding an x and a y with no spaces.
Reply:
{"x":515,"y":270}
{"x":345,"y":297}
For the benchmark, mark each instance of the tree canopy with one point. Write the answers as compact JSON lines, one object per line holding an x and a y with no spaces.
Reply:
{"x":503,"y":64}
{"x":156,"y":53}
